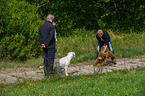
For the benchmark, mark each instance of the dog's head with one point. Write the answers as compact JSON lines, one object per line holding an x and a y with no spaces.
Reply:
{"x":101,"y":55}
{"x":72,"y":53}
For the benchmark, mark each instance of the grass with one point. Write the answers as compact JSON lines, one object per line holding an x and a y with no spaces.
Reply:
{"x":118,"y":83}
{"x":31,"y":63}
{"x":84,"y":43}
{"x":142,"y":60}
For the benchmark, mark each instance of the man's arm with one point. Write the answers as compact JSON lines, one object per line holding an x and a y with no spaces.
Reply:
{"x":39,"y":37}
{"x":105,"y":47}
{"x":51,"y":35}
{"x":107,"y":37}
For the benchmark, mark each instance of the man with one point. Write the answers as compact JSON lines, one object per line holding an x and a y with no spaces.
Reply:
{"x":54,"y":23}
{"x":103,"y":41}
{"x":46,"y":36}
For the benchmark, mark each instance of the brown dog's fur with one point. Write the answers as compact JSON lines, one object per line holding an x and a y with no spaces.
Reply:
{"x":103,"y":58}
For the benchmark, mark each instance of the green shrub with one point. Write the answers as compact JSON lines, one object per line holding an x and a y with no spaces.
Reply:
{"x":19,"y":28}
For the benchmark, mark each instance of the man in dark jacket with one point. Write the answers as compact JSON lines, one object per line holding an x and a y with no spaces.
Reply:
{"x":103,"y":41}
{"x":46,"y":36}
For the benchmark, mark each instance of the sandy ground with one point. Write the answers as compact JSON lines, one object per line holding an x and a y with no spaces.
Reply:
{"x":19,"y":74}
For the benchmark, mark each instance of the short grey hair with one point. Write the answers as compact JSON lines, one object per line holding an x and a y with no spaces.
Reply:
{"x":100,"y":32}
{"x":50,"y":16}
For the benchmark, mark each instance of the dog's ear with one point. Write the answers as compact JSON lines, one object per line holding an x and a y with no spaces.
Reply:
{"x":74,"y":55}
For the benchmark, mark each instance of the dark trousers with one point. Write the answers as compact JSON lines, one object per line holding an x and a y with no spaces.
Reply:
{"x":48,"y":60}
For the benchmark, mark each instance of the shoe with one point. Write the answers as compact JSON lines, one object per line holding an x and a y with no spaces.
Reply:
{"x":114,"y":63}
{"x":48,"y":74}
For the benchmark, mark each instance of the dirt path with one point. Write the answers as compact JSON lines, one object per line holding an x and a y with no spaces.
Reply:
{"x":13,"y":75}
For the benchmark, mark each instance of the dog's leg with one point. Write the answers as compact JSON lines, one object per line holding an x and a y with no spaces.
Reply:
{"x":66,"y":68}
{"x":94,"y":69}
{"x":101,"y":69}
{"x":112,"y":57}
{"x":96,"y":62}
{"x":105,"y":60}
{"x":97,"y":69}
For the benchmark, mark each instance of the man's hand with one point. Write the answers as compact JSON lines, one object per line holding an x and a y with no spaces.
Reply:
{"x":104,"y":46}
{"x":43,"y":46}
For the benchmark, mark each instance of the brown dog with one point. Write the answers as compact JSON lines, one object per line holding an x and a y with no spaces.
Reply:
{"x":103,"y":58}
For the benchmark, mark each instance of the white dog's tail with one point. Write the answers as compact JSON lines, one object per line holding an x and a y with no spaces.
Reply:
{"x":56,"y":62}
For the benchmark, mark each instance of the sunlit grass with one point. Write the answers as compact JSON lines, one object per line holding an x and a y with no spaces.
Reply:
{"x":84,"y":44}
{"x":118,"y":83}
{"x":33,"y":63}
{"x":142,"y":60}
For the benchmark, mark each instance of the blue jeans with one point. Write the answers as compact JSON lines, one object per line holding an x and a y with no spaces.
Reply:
{"x":109,"y":46}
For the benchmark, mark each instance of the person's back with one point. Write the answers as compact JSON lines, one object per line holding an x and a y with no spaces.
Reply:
{"x":46,"y":32}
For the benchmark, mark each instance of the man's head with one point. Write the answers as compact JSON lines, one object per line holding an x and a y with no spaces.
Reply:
{"x":100,"y":33}
{"x":50,"y":17}
{"x":54,"y":21}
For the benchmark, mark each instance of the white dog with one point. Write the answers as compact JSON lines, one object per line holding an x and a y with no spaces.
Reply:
{"x":64,"y":62}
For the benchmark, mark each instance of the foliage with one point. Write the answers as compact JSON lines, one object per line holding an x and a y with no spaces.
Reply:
{"x":125,"y":14}
{"x":19,"y":27}
{"x":42,"y":5}
{"x":95,"y":14}
{"x":19,"y":23}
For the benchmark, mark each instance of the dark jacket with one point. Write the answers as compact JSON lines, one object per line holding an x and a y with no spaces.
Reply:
{"x":105,"y":37}
{"x":46,"y":35}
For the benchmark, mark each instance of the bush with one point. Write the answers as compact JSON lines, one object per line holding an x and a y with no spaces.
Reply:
{"x":19,"y":28}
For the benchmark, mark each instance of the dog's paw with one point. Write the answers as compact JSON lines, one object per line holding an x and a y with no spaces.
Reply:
{"x":115,"y":63}
{"x":41,"y":66}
